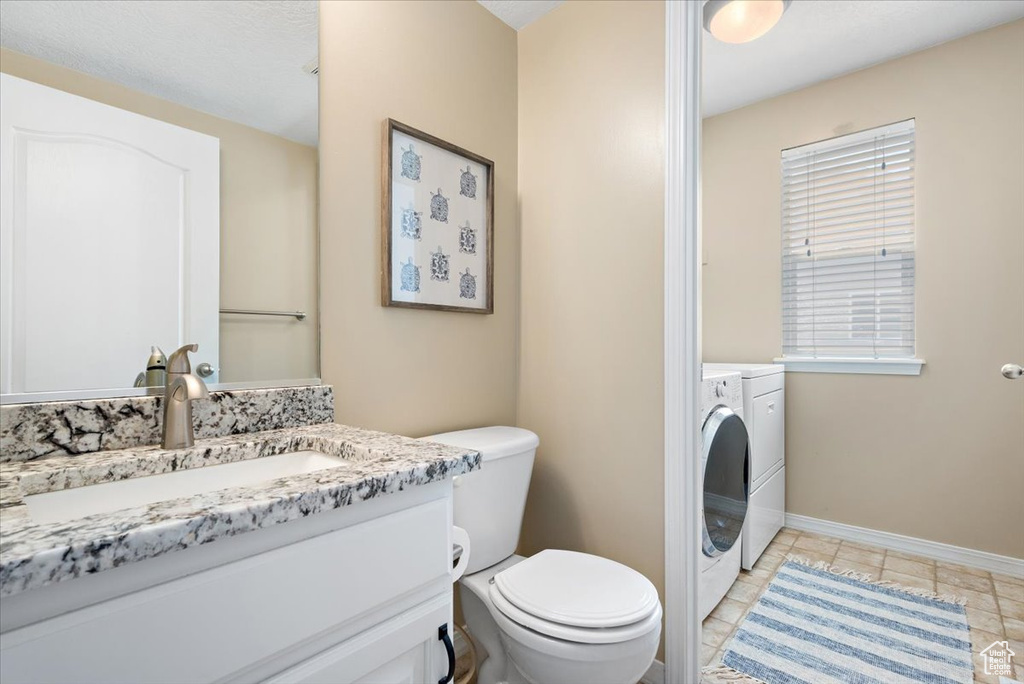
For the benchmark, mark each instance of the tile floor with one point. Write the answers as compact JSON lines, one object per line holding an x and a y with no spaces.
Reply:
{"x":995,"y":603}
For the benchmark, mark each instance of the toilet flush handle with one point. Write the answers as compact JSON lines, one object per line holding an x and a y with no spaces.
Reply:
{"x":461,"y":538}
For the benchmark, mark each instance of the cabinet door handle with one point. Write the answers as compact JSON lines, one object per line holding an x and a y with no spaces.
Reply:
{"x":442,"y":635}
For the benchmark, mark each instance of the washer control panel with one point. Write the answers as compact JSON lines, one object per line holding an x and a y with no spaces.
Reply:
{"x":721,"y":389}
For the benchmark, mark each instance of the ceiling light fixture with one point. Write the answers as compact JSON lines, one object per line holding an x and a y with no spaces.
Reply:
{"x":741,"y":21}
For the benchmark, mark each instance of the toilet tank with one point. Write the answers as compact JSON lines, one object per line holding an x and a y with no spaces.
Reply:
{"x":489,"y":502}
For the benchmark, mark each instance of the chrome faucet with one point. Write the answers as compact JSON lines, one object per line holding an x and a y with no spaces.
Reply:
{"x":181,"y":389}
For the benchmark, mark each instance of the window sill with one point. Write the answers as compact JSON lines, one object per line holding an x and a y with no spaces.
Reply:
{"x":845,"y":365}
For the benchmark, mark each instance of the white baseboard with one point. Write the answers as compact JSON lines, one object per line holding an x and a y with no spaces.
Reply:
{"x":655,"y":674}
{"x":1003,"y":565}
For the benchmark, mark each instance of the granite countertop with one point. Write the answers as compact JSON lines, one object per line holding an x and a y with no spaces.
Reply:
{"x":34,"y":554}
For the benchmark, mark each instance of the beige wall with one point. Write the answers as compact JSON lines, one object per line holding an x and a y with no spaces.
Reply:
{"x":939,"y":456}
{"x":448,"y":69}
{"x":591,"y":122}
{"x":268,"y":213}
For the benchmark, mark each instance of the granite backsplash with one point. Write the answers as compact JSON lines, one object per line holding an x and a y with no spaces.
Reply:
{"x":66,"y":428}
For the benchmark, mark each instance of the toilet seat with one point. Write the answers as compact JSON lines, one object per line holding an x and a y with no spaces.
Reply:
{"x":579,"y":635}
{"x":577,"y":597}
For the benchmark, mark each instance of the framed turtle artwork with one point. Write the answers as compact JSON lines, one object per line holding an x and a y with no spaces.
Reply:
{"x":437,"y":224}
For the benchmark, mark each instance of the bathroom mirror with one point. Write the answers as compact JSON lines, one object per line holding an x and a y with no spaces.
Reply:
{"x":158,"y":187}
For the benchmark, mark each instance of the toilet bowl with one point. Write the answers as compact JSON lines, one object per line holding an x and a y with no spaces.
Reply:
{"x":558,"y":617}
{"x":523,"y":647}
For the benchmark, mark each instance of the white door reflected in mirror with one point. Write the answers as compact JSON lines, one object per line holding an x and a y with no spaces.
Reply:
{"x":123,"y":206}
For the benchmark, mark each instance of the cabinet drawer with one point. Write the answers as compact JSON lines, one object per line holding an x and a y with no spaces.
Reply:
{"x":206,"y":626}
{"x":402,"y":650}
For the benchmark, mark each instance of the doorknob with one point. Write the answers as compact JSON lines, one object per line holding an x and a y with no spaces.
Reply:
{"x":1012,"y":371}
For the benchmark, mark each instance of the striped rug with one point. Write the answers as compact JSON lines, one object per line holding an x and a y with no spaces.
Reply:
{"x":815,"y":625}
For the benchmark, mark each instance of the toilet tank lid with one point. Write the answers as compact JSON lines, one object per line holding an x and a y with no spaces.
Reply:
{"x":491,"y":442}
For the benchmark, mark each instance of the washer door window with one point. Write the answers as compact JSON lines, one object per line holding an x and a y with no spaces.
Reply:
{"x":726,"y":462}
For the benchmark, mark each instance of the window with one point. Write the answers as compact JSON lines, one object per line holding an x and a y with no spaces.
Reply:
{"x":848,"y":253}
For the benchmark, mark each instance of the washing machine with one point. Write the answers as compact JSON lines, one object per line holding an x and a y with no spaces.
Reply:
{"x":764,"y":412}
{"x":725,"y":461}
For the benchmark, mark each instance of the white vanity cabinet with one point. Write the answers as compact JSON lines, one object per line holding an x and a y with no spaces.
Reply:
{"x":371,"y":657}
{"x":359,"y":594}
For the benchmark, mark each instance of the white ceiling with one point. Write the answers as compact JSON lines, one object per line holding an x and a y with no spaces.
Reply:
{"x":820,"y":39}
{"x":816,"y":40}
{"x":241,"y":60}
{"x":519,"y":13}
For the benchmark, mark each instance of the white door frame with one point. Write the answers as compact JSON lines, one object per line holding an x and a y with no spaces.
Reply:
{"x":683,"y":37}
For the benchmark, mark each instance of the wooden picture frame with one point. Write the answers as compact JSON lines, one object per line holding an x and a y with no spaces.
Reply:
{"x":415,"y":219}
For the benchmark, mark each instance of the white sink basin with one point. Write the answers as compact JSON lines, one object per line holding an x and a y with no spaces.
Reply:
{"x":71,"y":504}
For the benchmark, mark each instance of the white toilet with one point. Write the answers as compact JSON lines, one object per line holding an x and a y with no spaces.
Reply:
{"x":558,"y":617}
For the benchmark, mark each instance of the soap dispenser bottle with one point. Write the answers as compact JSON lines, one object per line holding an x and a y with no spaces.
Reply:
{"x":155,"y":376}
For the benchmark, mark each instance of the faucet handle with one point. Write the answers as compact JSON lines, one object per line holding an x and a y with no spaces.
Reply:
{"x":178,"y":361}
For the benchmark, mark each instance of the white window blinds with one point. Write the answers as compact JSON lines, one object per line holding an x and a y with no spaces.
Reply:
{"x":848,"y":246}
